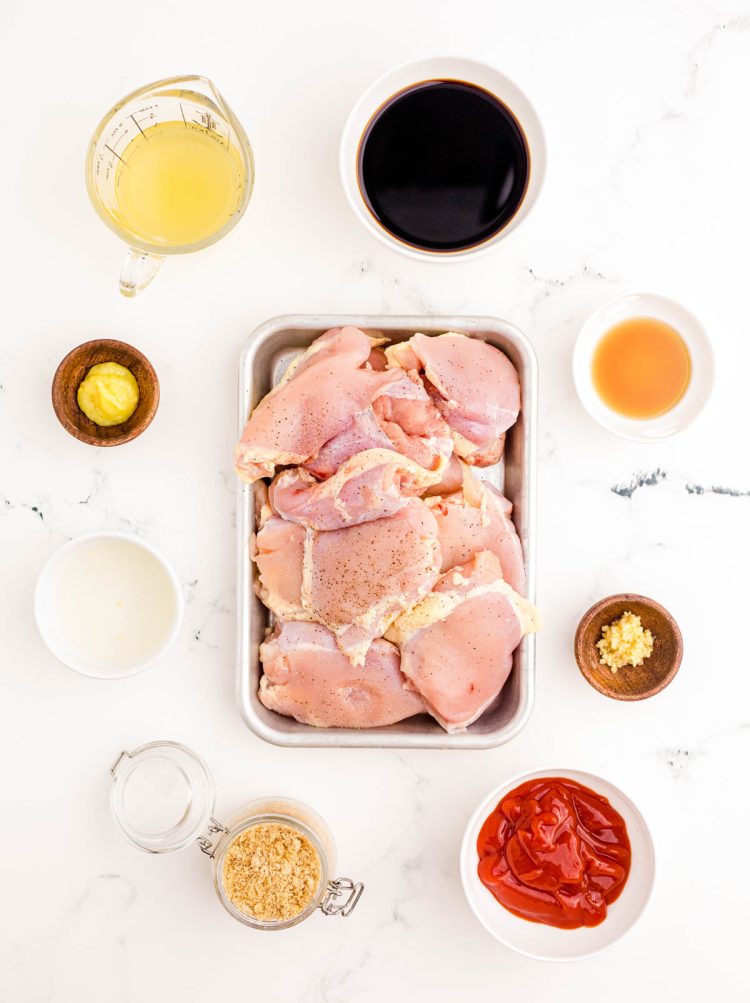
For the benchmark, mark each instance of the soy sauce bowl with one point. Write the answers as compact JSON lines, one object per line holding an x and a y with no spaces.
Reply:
{"x":694,"y":335}
{"x":441,"y":69}
{"x":548,"y":943}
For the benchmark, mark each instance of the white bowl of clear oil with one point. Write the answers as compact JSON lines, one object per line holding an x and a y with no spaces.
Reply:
{"x":108,"y":605}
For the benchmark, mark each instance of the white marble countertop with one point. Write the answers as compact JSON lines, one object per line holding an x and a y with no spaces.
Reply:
{"x":649,"y":159}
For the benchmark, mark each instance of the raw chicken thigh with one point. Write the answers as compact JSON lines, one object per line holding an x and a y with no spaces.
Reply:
{"x":479,"y":519}
{"x":357,"y":580}
{"x":413,"y":423}
{"x":403,"y":417}
{"x":452,"y":479}
{"x":318,"y":397}
{"x":475,"y":387}
{"x":395,"y":574}
{"x":457,"y":644}
{"x":278,"y":550}
{"x":363,"y":432}
{"x":354,"y":580}
{"x":308,"y":678}
{"x":370,"y":485}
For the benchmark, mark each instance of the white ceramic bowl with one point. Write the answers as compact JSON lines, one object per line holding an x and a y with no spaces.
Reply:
{"x":441,"y":69}
{"x":46,"y":609}
{"x":547,"y":943}
{"x":701,"y":361}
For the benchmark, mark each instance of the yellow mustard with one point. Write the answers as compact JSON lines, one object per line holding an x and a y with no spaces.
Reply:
{"x":108,"y":394}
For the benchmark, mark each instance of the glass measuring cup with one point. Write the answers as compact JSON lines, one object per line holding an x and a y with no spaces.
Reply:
{"x":169,"y":170}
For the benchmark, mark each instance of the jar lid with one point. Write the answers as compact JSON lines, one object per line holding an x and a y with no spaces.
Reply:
{"x":162,"y":796}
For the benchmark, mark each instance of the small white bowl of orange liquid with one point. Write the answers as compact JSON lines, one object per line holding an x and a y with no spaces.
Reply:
{"x":643,"y":366}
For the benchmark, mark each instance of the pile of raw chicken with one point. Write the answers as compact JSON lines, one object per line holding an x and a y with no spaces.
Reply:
{"x":395,"y":576}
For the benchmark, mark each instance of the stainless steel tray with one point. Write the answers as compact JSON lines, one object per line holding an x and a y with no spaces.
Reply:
{"x":264,"y":357}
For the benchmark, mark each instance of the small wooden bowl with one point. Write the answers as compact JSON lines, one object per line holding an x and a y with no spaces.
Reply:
{"x":630,"y":682}
{"x":71,"y":373}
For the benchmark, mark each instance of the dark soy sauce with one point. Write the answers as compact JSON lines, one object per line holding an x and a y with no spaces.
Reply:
{"x":443,"y":165}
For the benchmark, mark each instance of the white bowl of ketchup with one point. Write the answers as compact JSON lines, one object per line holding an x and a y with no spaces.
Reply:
{"x":551,"y":943}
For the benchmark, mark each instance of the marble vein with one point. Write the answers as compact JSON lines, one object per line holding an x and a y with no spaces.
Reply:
{"x":548,"y":286}
{"x":714,"y":489}
{"x":653,"y":478}
{"x":696,"y":59}
{"x":679,"y":759}
{"x":637,"y":481}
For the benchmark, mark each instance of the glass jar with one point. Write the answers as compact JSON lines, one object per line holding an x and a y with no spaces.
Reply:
{"x":162,"y":799}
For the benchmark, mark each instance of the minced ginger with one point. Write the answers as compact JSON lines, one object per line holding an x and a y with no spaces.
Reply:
{"x":625,"y":642}
{"x":271,"y":872}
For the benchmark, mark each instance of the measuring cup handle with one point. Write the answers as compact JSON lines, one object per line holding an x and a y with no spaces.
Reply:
{"x":138,"y":270}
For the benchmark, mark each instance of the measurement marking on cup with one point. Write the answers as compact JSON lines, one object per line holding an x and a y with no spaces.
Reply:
{"x":208,"y":121}
{"x":182,"y":112}
{"x":115,"y":153}
{"x":139,"y":128}
{"x":122,"y":134}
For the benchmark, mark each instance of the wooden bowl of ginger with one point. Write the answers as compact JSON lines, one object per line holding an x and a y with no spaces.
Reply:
{"x":606,"y":636}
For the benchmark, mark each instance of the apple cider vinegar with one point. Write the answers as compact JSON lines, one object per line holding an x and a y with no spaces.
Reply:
{"x":641,"y":367}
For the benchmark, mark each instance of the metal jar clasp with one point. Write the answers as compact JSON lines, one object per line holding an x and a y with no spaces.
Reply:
{"x":206,"y":843}
{"x":341,"y":896}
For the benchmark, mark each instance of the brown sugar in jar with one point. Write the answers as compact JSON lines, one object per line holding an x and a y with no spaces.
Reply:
{"x":272,"y":861}
{"x":271,"y":872}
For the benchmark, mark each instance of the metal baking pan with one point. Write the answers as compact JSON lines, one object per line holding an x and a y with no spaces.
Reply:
{"x":264,"y":357}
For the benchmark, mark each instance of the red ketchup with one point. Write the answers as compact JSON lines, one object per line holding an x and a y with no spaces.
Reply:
{"x":554,"y":852}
